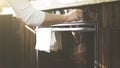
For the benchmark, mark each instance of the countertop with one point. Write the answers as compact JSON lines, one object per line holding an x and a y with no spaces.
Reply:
{"x":80,"y":3}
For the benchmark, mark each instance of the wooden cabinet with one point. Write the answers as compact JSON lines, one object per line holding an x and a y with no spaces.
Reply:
{"x":115,"y":15}
{"x":109,"y":35}
{"x":114,"y":48}
{"x":16,"y":44}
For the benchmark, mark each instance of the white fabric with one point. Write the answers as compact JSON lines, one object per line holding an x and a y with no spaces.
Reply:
{"x":43,"y":39}
{"x":26,"y":12}
{"x":56,"y":41}
{"x":48,"y":40}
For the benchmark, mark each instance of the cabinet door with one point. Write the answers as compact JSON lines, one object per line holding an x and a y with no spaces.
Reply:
{"x":115,"y":35}
{"x":109,"y":35}
{"x":114,"y":48}
{"x":115,"y":15}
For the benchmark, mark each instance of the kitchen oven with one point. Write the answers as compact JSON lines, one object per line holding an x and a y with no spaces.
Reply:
{"x":79,"y":46}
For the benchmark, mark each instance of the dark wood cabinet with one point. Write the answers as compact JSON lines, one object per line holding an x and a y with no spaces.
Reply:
{"x":108,"y":33}
{"x":115,"y":15}
{"x":114,"y":48}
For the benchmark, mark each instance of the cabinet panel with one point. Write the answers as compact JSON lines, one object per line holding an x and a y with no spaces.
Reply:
{"x":114,"y":48}
{"x":16,"y":44}
{"x":115,"y":15}
{"x":8,"y":42}
{"x":109,"y":24}
{"x":104,"y":48}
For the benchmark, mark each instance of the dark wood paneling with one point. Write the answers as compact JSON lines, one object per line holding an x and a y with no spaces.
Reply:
{"x":16,"y":44}
{"x":108,"y":20}
{"x":8,"y":42}
{"x":115,"y":15}
{"x":26,"y":43}
{"x":115,"y":48}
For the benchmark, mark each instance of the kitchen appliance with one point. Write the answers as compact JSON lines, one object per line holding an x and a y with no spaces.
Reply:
{"x":82,"y":49}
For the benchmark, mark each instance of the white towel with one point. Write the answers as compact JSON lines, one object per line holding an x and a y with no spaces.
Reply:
{"x":43,"y":39}
{"x":48,"y":40}
{"x":56,"y":41}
